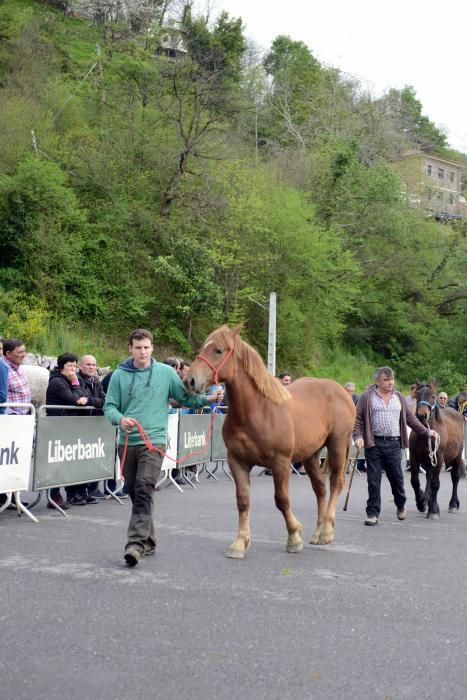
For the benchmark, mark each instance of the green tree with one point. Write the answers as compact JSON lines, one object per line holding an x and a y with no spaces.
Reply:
{"x":43,"y":233}
{"x":405,"y":110}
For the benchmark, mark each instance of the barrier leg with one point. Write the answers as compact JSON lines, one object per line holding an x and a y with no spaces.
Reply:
{"x":164,"y":478}
{"x":34,"y":503}
{"x":7,"y":502}
{"x":113,"y":494}
{"x":172,"y":481}
{"x":22,"y":508}
{"x":224,"y":469}
{"x":57,"y":507}
{"x":184,"y":475}
{"x":211,"y":473}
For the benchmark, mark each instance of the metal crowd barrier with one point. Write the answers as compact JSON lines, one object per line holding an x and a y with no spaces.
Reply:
{"x":69,"y":452}
{"x":16,"y":446}
{"x":72,"y":452}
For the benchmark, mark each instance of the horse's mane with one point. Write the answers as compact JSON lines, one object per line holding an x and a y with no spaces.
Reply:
{"x":253,"y":365}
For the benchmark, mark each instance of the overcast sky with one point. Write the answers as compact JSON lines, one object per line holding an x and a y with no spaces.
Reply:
{"x":383,"y":44}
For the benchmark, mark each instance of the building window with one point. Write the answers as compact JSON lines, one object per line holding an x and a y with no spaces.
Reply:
{"x":429,"y":170}
{"x":441,"y":173}
{"x":451,"y":199}
{"x":439,"y":196}
{"x":451,"y":176}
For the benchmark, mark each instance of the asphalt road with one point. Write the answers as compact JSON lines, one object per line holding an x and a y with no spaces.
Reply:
{"x":377,"y":615}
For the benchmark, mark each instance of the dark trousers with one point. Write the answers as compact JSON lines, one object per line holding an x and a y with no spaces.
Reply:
{"x":386,"y":454}
{"x":141,"y":470}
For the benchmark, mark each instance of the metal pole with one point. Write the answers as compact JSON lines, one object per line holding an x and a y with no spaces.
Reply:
{"x":272,"y":334}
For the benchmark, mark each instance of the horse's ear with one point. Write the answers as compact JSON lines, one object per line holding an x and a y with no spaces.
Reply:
{"x":237,"y":330}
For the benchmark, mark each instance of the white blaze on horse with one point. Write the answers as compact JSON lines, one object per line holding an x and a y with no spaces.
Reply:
{"x":272,"y":426}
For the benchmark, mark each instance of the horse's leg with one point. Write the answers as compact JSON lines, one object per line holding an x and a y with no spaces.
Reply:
{"x":337,"y":460}
{"x":318,"y":482}
{"x":415,"y":481}
{"x":241,"y":475}
{"x":454,"y":503}
{"x":432,"y":490}
{"x":281,"y":472}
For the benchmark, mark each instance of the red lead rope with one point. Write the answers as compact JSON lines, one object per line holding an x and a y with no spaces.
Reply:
{"x":153,"y":448}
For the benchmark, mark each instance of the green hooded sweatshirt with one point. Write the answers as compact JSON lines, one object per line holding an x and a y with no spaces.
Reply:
{"x":144,"y":394}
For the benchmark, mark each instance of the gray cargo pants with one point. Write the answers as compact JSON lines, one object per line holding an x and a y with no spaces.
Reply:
{"x":141,"y":471}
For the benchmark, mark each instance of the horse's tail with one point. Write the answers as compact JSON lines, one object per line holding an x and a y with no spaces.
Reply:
{"x":462,"y":470}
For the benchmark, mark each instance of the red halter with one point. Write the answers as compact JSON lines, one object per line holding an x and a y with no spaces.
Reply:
{"x":215,"y":369}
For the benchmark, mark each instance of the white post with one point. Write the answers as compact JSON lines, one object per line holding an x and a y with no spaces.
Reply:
{"x":272,"y":334}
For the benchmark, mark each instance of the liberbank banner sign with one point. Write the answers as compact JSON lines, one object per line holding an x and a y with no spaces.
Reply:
{"x":193,"y":433}
{"x":16,"y":434}
{"x":73,"y":450}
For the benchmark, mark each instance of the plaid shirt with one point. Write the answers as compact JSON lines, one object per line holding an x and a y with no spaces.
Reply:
{"x":18,"y":387}
{"x":386,"y":416}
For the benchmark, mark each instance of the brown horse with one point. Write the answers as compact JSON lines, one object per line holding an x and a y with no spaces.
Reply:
{"x":449,"y":425}
{"x":272,"y":426}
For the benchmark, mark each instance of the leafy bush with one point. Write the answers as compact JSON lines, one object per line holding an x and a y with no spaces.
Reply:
{"x":23,"y":317}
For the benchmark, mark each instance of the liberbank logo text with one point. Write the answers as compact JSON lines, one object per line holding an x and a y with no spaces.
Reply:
{"x":58,"y":452}
{"x":194,"y":440}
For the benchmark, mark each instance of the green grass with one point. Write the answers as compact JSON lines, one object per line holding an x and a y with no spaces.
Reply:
{"x":342,"y":366}
{"x":109,"y":348}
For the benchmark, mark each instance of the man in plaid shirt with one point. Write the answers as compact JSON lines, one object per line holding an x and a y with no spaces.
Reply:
{"x":14,"y":353}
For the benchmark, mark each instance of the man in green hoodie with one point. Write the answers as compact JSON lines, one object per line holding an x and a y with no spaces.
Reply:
{"x":139,"y":391}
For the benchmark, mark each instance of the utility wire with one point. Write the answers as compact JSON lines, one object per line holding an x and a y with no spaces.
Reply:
{"x":72,"y":95}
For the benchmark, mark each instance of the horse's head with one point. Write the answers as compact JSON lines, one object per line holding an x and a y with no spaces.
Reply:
{"x":215,"y":362}
{"x":425,"y":395}
{"x":462,"y":401}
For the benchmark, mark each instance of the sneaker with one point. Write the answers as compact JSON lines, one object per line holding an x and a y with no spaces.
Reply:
{"x":371,"y":520}
{"x":132,"y":556}
{"x":92,"y":499}
{"x":148,"y":550}
{"x":268,"y":472}
{"x":60,"y":502}
{"x":99,"y":495}
{"x":402,"y":513}
{"x":77,"y":501}
{"x":121,"y":494}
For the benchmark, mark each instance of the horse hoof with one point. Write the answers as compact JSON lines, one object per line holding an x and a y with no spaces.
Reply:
{"x":235,"y":553}
{"x":421,"y":508}
{"x":321,"y":538}
{"x":326,"y":538}
{"x":294,"y":548}
{"x":433,"y":516}
{"x":453,"y":509}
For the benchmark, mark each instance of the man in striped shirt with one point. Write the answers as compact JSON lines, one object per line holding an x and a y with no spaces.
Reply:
{"x":381,"y":428}
{"x":14,"y":353}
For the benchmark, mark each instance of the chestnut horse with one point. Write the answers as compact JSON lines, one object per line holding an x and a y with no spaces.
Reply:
{"x":449,"y":424}
{"x":270,"y":425}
